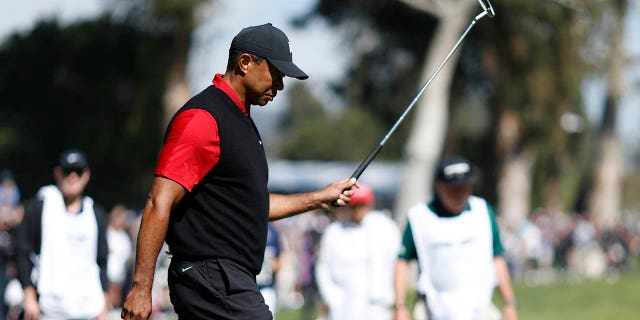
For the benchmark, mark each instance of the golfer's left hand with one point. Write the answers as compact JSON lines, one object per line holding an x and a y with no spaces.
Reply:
{"x":338,"y":193}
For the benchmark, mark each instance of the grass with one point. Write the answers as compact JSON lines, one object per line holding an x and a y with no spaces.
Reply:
{"x":568,"y":300}
{"x":585,"y":300}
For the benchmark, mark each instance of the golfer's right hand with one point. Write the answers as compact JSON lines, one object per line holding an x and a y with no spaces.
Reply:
{"x":137,"y":306}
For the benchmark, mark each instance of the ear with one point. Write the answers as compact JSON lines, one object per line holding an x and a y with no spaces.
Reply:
{"x":244,"y":63}
{"x":57,"y":173}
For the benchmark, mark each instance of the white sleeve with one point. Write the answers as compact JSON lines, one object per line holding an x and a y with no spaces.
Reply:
{"x":329,"y":290}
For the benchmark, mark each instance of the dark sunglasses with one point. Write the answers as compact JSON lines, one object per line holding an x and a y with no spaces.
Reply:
{"x":78,"y":171}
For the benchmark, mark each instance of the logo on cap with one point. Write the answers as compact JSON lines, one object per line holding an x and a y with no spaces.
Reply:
{"x":456,"y":170}
{"x":73,"y":158}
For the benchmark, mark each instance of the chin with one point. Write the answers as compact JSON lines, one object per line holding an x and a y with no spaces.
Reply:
{"x":455,"y":209}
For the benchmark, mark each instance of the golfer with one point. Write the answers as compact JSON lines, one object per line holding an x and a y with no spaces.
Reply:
{"x":209,"y":200}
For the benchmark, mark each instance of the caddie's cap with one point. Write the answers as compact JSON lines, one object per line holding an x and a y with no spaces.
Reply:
{"x":363,"y":195}
{"x":455,"y":170}
{"x":271,"y":43}
{"x":73,"y":159}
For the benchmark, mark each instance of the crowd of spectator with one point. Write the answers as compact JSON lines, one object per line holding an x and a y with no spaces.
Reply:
{"x":547,"y":247}
{"x":552,"y":246}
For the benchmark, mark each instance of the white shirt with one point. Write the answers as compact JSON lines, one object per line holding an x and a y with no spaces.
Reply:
{"x":356,"y":266}
{"x":120,"y":252}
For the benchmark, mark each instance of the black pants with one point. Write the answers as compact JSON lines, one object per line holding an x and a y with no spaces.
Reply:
{"x":215,"y":289}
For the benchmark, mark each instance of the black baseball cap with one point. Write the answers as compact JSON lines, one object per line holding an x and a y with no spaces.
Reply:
{"x":73,"y":159}
{"x":455,"y":170}
{"x":271,"y":43}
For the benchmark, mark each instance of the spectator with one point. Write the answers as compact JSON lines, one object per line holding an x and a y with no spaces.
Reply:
{"x":120,"y":252}
{"x":456,"y":241}
{"x":62,"y":247}
{"x":312,"y":227}
{"x":10,"y":216}
{"x":9,"y":192}
{"x":586,"y":257}
{"x":356,"y":261}
{"x":266,"y":279}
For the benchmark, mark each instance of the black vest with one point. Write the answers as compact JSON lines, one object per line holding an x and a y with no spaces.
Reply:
{"x":226,"y":214}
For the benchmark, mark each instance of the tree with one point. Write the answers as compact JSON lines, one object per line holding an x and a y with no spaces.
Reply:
{"x":315,"y":134}
{"x":93,"y":85}
{"x":532,"y":53}
{"x":383,"y":79}
{"x":606,"y":194}
{"x":427,"y":136}
{"x":391,"y":81}
{"x":522,"y":70}
{"x":176,"y":19}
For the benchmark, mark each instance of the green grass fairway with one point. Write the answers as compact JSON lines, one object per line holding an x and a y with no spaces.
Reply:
{"x":588,"y":299}
{"x":584,"y":300}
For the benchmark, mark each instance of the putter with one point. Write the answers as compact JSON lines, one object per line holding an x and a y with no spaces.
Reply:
{"x":487,"y":10}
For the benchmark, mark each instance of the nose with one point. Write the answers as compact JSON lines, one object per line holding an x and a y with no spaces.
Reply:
{"x":278,"y":83}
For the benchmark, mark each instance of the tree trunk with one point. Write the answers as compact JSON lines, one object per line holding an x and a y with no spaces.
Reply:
{"x":428,"y":131}
{"x":605,"y":200}
{"x":604,"y":204}
{"x":514,"y":189}
{"x":177,"y":90}
{"x":514,"y":182}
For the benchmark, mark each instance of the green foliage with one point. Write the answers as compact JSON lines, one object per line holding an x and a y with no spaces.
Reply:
{"x":530,"y":60}
{"x":95,"y":85}
{"x":312,"y":134}
{"x":526,"y":60}
{"x":389,"y":41}
{"x":533,"y":62}
{"x":177,"y":14}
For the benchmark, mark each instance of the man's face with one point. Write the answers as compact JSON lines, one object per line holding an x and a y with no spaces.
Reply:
{"x":453,"y":198}
{"x":262,"y":82}
{"x":358,"y":212}
{"x":71,"y":182}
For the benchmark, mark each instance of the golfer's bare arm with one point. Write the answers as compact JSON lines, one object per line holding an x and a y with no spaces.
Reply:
{"x":164,"y":195}
{"x":282,"y":206}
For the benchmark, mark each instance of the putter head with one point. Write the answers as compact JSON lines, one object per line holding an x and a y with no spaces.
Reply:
{"x":486,"y":5}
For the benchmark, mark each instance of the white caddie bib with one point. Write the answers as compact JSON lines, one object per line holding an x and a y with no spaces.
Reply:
{"x":455,"y":255}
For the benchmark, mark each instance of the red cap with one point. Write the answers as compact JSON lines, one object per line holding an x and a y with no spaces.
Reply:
{"x":362,"y":195}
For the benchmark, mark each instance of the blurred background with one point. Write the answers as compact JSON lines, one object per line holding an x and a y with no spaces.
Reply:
{"x":544,"y":98}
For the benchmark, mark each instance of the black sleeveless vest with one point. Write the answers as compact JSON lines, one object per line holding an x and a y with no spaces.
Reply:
{"x":226,"y":214}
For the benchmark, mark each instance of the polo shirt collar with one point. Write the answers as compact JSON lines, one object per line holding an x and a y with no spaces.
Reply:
{"x":438,"y":208}
{"x":221,"y":84}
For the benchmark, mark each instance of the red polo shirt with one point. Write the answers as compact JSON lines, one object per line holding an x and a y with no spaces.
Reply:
{"x":192,"y":146}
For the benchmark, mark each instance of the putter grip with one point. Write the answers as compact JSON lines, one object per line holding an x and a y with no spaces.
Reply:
{"x":363,"y":165}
